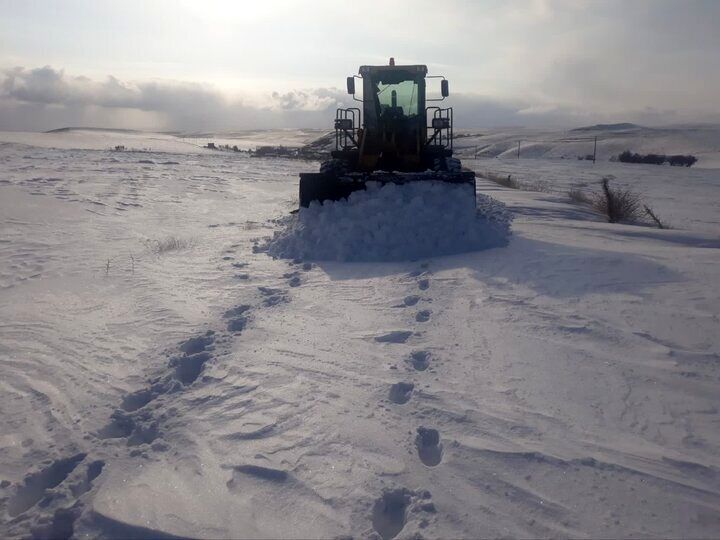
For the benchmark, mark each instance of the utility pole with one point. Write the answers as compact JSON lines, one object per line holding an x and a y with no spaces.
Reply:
{"x":518,"y":150}
{"x":595,"y":150}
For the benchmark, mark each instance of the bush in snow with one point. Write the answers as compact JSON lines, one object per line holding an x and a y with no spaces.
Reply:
{"x":682,"y":161}
{"x":577,"y":195}
{"x":617,"y":204}
{"x":657,"y":159}
{"x":653,"y":216}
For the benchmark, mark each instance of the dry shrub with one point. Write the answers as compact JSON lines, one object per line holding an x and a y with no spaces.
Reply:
{"x":618,"y":204}
{"x":577,"y":195}
{"x":653,"y":216}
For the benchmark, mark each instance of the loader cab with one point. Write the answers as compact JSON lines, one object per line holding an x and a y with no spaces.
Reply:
{"x":393,"y":97}
{"x":395,"y":129}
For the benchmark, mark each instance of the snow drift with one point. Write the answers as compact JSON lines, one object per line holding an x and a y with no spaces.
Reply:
{"x":393,"y":223}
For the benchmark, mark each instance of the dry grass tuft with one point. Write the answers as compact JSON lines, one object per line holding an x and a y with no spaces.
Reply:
{"x":171,"y":243}
{"x":578,"y":196}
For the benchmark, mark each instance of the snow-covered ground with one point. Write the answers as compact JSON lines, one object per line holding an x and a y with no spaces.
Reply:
{"x":164,"y":376}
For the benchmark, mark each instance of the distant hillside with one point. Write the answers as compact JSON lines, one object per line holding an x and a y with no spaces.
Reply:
{"x":624,"y":126}
{"x":111,"y":130}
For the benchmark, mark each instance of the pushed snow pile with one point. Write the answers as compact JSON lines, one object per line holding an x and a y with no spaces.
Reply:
{"x":393,"y":223}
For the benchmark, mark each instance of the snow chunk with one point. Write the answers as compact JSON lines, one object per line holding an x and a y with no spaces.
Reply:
{"x":393,"y":223}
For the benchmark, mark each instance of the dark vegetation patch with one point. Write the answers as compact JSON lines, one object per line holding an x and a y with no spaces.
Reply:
{"x":677,"y":160}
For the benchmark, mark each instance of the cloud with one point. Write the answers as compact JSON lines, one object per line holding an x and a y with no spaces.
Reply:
{"x":519,"y":62}
{"x":180,"y":103}
{"x":47,"y":98}
{"x":177,"y":105}
{"x":319,"y":99}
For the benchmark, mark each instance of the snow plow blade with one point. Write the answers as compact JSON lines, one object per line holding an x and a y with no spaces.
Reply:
{"x":322,"y":187}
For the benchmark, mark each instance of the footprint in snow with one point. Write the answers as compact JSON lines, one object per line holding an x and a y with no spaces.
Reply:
{"x":35,"y":486}
{"x":408,"y":301}
{"x":137,"y":428}
{"x":420,"y":360}
{"x":293,"y":278}
{"x":400,"y":392}
{"x":199,"y":343}
{"x":237,"y":318}
{"x":423,"y":316}
{"x":197,"y":351}
{"x":92,"y":472}
{"x":137,"y":400}
{"x":237,"y":324}
{"x":40,"y":488}
{"x":256,"y":471}
{"x":396,"y":336}
{"x":390,"y":512}
{"x":236,"y":311}
{"x":189,"y":366}
{"x":273,"y":297}
{"x":424,"y":284}
{"x":428,"y":445}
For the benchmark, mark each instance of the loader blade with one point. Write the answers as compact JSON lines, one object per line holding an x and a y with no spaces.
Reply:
{"x":322,"y":187}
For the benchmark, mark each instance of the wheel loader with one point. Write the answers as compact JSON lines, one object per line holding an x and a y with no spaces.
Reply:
{"x":394,"y":137}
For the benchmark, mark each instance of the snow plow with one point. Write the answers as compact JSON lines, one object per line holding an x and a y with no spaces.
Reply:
{"x":394,"y":138}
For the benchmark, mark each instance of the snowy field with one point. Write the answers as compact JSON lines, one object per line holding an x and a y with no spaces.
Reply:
{"x":163,"y":376}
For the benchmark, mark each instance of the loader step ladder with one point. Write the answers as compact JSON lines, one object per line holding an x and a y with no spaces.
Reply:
{"x":440,"y":130}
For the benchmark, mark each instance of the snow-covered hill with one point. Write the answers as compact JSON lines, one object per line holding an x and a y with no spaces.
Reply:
{"x":190,"y":142}
{"x":703,"y":141}
{"x":164,"y":376}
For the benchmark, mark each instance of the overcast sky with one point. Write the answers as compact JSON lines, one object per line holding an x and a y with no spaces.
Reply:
{"x":231,"y":65}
